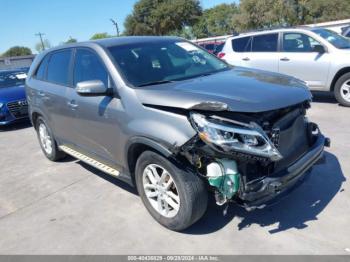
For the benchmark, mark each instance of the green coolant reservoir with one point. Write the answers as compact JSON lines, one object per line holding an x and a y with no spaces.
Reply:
{"x":223,"y":175}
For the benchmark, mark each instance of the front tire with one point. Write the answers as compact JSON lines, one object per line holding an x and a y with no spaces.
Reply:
{"x":342,"y":90}
{"x":47,"y":142}
{"x":175,"y":198}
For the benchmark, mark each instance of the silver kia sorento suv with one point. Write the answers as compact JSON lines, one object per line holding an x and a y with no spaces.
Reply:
{"x":318,"y":56}
{"x":175,"y":121}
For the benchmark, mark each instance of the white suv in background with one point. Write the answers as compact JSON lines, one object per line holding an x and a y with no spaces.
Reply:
{"x":318,"y":56}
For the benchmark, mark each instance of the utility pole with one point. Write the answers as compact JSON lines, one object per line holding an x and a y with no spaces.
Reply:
{"x":114,"y":22}
{"x":41,"y":40}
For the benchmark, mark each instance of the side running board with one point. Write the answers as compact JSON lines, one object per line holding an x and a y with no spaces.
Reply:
{"x":90,"y":161}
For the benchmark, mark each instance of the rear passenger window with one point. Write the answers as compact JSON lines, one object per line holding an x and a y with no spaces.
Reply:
{"x":58,"y":68}
{"x":265,"y":43}
{"x":88,"y":66}
{"x":241,"y":44}
{"x":41,"y":72}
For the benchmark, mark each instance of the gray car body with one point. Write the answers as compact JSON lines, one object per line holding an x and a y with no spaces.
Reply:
{"x":114,"y":128}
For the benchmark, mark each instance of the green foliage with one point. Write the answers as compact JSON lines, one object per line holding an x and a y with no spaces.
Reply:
{"x":17,"y":51}
{"x":255,"y":14}
{"x":71,"y":40}
{"x":100,"y":36}
{"x":186,"y":32}
{"x":39,"y":46}
{"x":161,"y":17}
{"x":216,"y":21}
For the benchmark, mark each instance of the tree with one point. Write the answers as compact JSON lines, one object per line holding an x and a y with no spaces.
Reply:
{"x":71,"y":40}
{"x":216,"y":21}
{"x":185,"y":32}
{"x":314,"y":11}
{"x":39,"y":46}
{"x":254,"y":14}
{"x":100,"y":36}
{"x":263,"y":14}
{"x":161,"y":17}
{"x":17,"y":51}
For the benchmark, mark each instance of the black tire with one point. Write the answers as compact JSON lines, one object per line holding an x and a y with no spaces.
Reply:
{"x":337,"y":89}
{"x":190,"y":188}
{"x":55,"y":154}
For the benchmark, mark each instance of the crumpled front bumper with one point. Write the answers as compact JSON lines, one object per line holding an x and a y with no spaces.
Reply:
{"x":261,"y":193}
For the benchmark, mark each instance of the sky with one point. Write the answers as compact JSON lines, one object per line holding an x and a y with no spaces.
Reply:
{"x":61,"y":19}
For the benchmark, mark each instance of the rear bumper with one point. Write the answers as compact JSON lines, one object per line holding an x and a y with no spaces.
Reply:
{"x":261,"y":193}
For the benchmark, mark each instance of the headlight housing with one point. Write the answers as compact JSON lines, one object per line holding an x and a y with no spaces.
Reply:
{"x":227,"y":137}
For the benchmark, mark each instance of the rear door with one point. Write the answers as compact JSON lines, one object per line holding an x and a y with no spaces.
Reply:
{"x":236,"y":50}
{"x":298,"y":58}
{"x":259,"y":52}
{"x":53,"y":92}
{"x":264,"y":53}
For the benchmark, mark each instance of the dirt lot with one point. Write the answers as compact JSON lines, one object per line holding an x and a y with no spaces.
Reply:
{"x":70,"y":208}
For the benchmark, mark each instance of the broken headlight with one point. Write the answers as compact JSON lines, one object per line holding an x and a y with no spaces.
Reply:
{"x":226,"y":137}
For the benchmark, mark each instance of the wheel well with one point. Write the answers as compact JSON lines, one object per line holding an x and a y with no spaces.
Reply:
{"x":134,"y":152}
{"x":338,"y":75}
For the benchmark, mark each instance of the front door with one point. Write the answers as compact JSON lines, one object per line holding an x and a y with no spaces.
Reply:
{"x":298,"y":58}
{"x":97,"y":126}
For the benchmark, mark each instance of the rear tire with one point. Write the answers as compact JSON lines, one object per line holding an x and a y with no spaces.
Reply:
{"x":186,"y":193}
{"x":47,"y":142}
{"x":342,"y":90}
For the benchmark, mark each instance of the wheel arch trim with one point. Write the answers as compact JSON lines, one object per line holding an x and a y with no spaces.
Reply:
{"x":337,"y":75}
{"x":140,"y":141}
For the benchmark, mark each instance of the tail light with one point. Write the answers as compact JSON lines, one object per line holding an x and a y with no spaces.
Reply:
{"x":221,"y":55}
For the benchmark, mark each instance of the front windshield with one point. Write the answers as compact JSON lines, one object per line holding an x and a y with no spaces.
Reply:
{"x":332,"y":37}
{"x":11,"y":78}
{"x":151,"y":63}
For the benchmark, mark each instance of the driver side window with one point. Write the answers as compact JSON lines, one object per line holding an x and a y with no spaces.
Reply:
{"x":88,"y":66}
{"x":297,"y":42}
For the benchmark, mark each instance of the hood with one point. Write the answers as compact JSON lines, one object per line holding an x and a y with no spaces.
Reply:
{"x":9,"y":94}
{"x":241,"y":89}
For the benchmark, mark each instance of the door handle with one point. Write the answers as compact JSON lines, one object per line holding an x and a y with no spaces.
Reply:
{"x":285,"y":59}
{"x":246,"y":59}
{"x":72,"y":104}
{"x":41,"y":93}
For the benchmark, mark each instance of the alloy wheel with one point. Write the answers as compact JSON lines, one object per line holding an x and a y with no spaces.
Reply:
{"x":345,"y":91}
{"x":45,"y":139}
{"x":161,"y":190}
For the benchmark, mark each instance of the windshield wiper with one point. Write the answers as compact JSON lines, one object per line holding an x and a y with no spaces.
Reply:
{"x":156,"y":83}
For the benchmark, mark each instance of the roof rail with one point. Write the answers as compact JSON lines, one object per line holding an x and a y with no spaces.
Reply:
{"x":270,"y":29}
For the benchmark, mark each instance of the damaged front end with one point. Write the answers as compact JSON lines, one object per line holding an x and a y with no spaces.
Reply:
{"x":251,"y":158}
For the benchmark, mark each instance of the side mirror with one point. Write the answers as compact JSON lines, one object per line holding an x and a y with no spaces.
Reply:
{"x":319,"y":49}
{"x":91,"y":88}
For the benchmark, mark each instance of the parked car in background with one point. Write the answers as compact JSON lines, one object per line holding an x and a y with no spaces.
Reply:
{"x":318,"y":56}
{"x":212,"y":47}
{"x":176,"y":121}
{"x":13,"y":103}
{"x":346,"y":31}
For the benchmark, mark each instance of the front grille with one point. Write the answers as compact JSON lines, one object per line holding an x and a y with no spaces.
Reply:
{"x":293,"y":142}
{"x":18,"y":109}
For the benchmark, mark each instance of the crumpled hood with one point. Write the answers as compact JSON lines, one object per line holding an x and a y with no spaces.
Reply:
{"x":243,"y":90}
{"x":9,"y":94}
